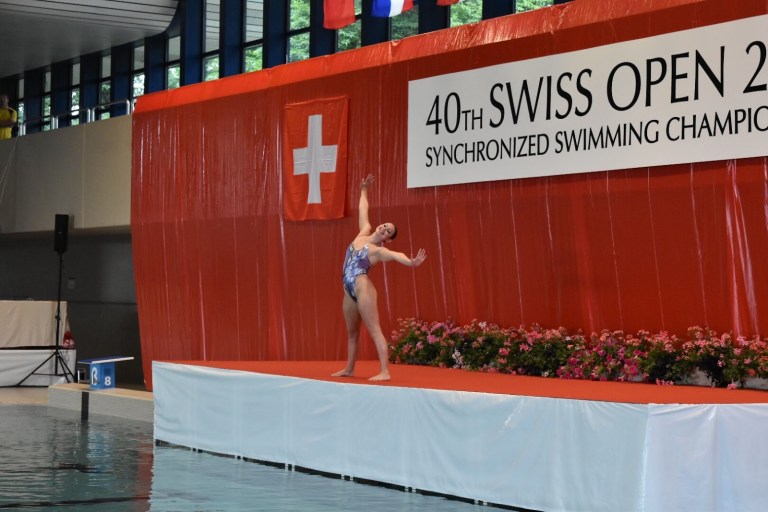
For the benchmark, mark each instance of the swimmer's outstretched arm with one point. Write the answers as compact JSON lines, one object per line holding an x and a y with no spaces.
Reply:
{"x":383,"y":254}
{"x":365,"y":224}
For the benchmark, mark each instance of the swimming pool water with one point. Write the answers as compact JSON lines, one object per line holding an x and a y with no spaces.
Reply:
{"x":50,"y":460}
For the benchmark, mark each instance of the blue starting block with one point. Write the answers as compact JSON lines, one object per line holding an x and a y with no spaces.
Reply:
{"x":103,"y":370}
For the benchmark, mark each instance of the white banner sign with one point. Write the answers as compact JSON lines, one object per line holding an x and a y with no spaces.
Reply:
{"x":691,"y":96}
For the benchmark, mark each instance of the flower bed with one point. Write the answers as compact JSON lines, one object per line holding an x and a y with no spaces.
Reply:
{"x":610,"y":355}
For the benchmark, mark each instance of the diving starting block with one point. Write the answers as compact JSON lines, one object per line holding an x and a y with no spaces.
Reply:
{"x":103,"y":370}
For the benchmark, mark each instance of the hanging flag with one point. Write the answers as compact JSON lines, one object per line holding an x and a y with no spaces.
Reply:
{"x":315,"y":159}
{"x":338,"y":13}
{"x":447,"y":2}
{"x":389,"y":8}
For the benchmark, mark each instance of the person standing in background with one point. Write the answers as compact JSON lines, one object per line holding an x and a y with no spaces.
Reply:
{"x":8,"y":118}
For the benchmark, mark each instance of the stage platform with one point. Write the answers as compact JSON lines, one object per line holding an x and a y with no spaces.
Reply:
{"x":532,"y":443}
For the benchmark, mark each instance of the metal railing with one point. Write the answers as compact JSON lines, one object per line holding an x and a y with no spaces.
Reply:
{"x":91,"y":115}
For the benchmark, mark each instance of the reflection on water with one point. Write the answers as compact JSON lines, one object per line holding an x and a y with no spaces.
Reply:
{"x":51,"y":461}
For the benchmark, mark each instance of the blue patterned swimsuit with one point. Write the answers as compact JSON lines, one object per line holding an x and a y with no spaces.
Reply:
{"x":356,"y":263}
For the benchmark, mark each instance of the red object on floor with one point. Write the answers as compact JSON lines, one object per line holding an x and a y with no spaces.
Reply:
{"x":460,"y":380}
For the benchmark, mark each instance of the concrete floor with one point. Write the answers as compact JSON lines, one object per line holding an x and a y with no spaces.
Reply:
{"x":24,"y":395}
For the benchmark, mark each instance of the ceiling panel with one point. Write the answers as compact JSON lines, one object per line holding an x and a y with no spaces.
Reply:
{"x":37,"y":33}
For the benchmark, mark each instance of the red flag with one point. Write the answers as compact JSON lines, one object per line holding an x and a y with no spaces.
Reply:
{"x":315,"y":159}
{"x":447,"y":2}
{"x":338,"y":13}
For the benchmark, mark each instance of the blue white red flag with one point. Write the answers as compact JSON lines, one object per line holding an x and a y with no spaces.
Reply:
{"x":389,"y":8}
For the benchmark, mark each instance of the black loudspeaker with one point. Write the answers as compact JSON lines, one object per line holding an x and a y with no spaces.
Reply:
{"x":60,"y":233}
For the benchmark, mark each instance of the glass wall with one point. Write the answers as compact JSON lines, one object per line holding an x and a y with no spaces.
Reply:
{"x":105,"y":86}
{"x":268,"y":31}
{"x":74,"y":95}
{"x":46,"y":122}
{"x":173,"y":63}
{"x":137,"y":77}
{"x":253,"y":33}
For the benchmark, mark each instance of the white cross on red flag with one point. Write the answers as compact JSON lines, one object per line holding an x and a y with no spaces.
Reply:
{"x":315,"y":159}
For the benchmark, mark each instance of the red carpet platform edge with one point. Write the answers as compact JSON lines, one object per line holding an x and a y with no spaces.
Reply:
{"x":460,"y":380}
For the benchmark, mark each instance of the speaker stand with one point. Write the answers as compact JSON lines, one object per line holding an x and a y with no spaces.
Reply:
{"x":56,"y":354}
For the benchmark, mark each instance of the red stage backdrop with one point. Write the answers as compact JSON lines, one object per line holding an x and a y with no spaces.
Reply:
{"x":221,"y":274}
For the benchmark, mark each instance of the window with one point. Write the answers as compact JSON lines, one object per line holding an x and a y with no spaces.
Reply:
{"x":173,"y":68}
{"x":74,"y":108}
{"x":253,"y":58}
{"x":529,"y":5}
{"x":298,"y":47}
{"x":254,"y":32}
{"x":299,"y":14}
{"x":46,"y":121}
{"x":254,"y":20}
{"x":137,"y":77}
{"x":295,"y":35}
{"x":349,"y":37}
{"x":211,"y":47}
{"x":468,"y":11}
{"x":212,"y":25}
{"x":406,"y":24}
{"x":20,"y":107}
{"x":211,"y":68}
{"x":105,"y":87}
{"x":298,"y":34}
{"x":173,"y":77}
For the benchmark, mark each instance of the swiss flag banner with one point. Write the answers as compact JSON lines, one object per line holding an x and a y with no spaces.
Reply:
{"x":315,"y":159}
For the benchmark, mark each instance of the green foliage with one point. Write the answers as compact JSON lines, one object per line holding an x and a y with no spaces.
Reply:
{"x":349,"y":37}
{"x":403,"y":25}
{"x":173,"y":77}
{"x":298,"y":47}
{"x":211,"y":68}
{"x":299,"y":14}
{"x":253,"y":58}
{"x":137,"y":88}
{"x":468,"y":11}
{"x":529,"y":5}
{"x":406,"y":24}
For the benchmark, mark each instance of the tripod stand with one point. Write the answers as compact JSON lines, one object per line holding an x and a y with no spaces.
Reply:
{"x":56,"y":354}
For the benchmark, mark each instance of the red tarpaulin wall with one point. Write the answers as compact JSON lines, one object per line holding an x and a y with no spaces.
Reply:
{"x":221,"y":275}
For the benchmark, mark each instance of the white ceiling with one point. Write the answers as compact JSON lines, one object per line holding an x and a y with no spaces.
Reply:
{"x":36,"y":33}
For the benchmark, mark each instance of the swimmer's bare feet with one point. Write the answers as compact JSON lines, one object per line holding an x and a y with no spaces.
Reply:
{"x":382,"y":376}
{"x":344,"y":373}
